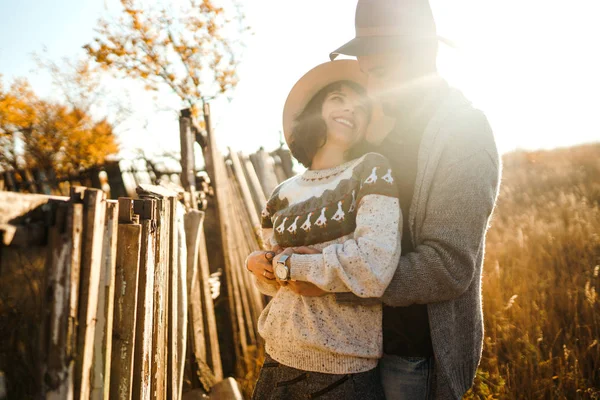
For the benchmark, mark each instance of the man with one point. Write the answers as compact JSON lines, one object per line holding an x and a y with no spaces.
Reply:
{"x":447,"y":166}
{"x":445,"y":160}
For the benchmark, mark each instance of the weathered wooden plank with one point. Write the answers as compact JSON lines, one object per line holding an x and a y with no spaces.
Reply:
{"x":126,"y":301}
{"x":145,"y":309}
{"x":244,"y":189}
{"x":182,"y":309}
{"x":201,"y":336}
{"x":213,"y":352}
{"x":58,"y":373}
{"x":161,"y":293}
{"x":244,"y":287}
{"x":76,"y":233}
{"x":229,"y":221}
{"x":14,"y":205}
{"x":216,"y":223}
{"x":188,"y":173}
{"x":193,"y":225}
{"x":104,"y":323}
{"x":247,"y":242}
{"x":257,"y":191}
{"x":177,"y":302}
{"x":91,"y":265}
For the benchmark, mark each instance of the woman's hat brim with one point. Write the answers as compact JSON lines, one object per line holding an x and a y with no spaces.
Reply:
{"x":313,"y":81}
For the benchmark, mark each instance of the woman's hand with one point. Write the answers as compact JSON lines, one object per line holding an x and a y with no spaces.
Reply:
{"x":260,"y":264}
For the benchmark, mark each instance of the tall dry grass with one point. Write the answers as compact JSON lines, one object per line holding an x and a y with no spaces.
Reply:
{"x":541,"y":279}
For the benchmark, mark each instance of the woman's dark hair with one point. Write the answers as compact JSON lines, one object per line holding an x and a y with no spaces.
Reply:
{"x":309,"y":133}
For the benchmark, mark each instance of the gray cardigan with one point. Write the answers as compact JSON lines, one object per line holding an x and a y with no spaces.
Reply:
{"x":458,"y":174}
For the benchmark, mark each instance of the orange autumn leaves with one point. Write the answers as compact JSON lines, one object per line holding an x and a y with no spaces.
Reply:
{"x":38,"y":133}
{"x":187,"y":47}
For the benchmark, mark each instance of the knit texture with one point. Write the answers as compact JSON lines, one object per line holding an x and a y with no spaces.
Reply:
{"x":352,"y":214}
{"x":458,"y":175}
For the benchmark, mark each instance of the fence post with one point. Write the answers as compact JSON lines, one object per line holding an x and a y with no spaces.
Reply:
{"x":94,"y":208}
{"x":126,"y":298}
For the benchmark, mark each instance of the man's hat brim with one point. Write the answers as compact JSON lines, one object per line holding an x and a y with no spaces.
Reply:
{"x":367,"y":45}
{"x":315,"y":80}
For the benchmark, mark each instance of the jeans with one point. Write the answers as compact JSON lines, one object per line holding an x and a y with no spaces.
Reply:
{"x":279,"y":382}
{"x":408,"y":378}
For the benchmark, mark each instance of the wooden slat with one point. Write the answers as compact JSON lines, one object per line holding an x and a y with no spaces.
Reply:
{"x":258,"y":194}
{"x":177,"y":337}
{"x":91,"y":265}
{"x":238,"y":172}
{"x":247,"y":243}
{"x":161,"y":293}
{"x":14,"y":205}
{"x":193,"y":225}
{"x":213,"y":352}
{"x":126,"y":299}
{"x":145,"y":306}
{"x":241,"y":289}
{"x":63,"y":242}
{"x":161,"y":286}
{"x":202,"y":328}
{"x":104,"y":324}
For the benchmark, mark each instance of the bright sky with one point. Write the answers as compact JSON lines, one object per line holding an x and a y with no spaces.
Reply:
{"x":533,"y":66}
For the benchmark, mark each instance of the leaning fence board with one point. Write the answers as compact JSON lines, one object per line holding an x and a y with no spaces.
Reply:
{"x":244,"y":190}
{"x":213,"y":352}
{"x":126,"y":289}
{"x":145,"y":305}
{"x":177,"y":338}
{"x":193,"y":221}
{"x":258,"y":195}
{"x":104,"y":322}
{"x":63,"y":281}
{"x":161,"y":286}
{"x":202,"y":325}
{"x":238,"y":275}
{"x":94,"y":207}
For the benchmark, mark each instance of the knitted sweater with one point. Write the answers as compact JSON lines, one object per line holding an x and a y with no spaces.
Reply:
{"x":351,"y":213}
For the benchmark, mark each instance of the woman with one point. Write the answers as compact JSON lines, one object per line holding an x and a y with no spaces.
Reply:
{"x":342,"y":217}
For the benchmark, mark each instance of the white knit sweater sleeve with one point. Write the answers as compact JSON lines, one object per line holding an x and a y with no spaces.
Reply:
{"x":268,"y":244}
{"x":364,"y":264}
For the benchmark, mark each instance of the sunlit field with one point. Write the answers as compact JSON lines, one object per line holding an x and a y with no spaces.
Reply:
{"x":541,"y":279}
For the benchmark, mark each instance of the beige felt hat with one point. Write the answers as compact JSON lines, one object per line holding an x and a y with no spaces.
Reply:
{"x":313,"y":81}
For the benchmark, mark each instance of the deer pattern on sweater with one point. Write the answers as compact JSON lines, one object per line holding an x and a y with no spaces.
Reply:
{"x":330,"y":213}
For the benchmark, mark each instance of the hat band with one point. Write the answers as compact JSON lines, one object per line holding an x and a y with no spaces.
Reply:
{"x":385,"y":31}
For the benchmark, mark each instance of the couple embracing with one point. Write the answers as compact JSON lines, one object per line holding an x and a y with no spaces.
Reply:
{"x":374,"y":253}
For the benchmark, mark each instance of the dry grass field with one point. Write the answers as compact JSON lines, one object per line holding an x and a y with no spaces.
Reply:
{"x":541,"y":279}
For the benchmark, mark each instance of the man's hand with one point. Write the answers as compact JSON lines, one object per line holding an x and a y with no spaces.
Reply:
{"x":259,"y":263}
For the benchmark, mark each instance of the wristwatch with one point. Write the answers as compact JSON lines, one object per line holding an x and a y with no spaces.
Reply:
{"x":282,"y":269}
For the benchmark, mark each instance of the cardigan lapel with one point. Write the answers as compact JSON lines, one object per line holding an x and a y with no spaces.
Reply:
{"x":432,"y":145}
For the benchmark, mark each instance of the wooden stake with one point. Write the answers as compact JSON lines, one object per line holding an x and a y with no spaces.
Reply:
{"x":91,"y":266}
{"x":126,"y":303}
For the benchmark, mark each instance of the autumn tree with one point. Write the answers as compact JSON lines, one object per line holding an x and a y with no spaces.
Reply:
{"x":38,"y":133}
{"x":188,"y":48}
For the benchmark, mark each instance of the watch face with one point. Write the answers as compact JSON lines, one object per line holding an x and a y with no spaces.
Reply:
{"x":281,"y":271}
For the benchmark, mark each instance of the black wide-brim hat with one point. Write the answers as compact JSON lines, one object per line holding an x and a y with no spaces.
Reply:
{"x":384,"y":26}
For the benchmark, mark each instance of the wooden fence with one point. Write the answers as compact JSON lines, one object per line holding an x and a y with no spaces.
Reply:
{"x":105,"y":298}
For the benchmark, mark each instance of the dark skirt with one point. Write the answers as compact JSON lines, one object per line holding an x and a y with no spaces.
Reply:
{"x":279,"y":382}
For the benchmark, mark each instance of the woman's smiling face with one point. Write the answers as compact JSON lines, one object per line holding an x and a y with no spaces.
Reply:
{"x":346,"y":115}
